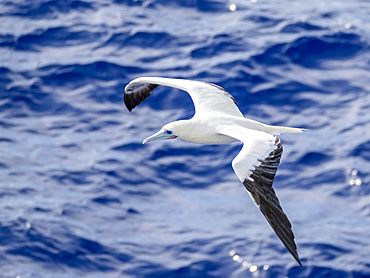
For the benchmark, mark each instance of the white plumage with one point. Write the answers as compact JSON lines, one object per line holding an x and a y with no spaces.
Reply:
{"x":217,"y":120}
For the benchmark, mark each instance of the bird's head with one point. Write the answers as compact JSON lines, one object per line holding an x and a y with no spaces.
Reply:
{"x":169,"y":131}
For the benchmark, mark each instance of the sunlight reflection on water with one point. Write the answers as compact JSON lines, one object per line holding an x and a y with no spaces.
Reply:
{"x":245,"y":264}
{"x":355,"y":180}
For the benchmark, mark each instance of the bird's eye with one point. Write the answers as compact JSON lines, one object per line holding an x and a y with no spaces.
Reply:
{"x":169,"y":132}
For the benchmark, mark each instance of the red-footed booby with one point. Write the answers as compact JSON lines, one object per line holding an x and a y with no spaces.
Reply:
{"x":217,"y":120}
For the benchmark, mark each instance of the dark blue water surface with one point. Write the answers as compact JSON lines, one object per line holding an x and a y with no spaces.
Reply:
{"x":80,"y":196}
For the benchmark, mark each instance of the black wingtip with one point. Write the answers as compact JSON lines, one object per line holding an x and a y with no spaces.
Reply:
{"x":128,"y":103}
{"x":297,"y":259}
{"x":136,"y":93}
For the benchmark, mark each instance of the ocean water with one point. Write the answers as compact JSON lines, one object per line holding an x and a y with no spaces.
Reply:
{"x":80,"y":196}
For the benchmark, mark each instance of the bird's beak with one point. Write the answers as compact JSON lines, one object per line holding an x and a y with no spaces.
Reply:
{"x":160,"y":135}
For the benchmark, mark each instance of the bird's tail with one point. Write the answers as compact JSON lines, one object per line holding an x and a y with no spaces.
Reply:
{"x":252,"y":124}
{"x":284,"y":129}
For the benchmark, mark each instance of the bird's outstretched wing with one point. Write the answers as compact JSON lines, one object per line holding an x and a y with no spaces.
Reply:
{"x":255,"y":166}
{"x":207,"y":97}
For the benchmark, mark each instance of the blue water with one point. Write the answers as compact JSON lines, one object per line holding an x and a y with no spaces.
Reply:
{"x":80,"y":196}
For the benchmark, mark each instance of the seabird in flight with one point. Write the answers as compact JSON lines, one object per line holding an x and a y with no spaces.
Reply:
{"x":217,"y":120}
